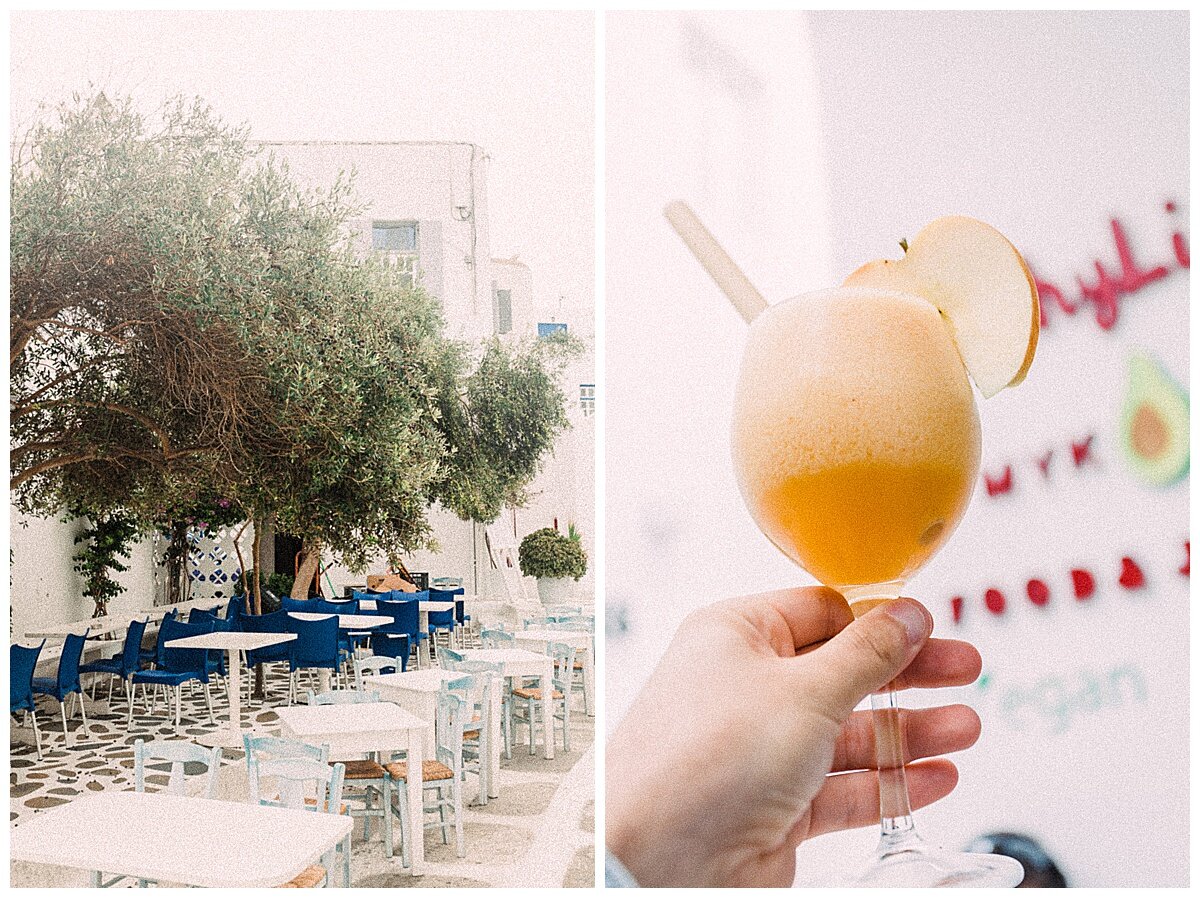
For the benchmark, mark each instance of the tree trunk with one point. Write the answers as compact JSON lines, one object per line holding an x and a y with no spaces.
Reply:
{"x":310,"y":560}
{"x":257,"y":584}
{"x":177,"y":555}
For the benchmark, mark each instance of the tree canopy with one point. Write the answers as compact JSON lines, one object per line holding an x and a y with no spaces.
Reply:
{"x":187,"y":321}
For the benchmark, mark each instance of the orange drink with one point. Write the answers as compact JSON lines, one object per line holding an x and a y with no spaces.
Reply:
{"x":855,"y":437}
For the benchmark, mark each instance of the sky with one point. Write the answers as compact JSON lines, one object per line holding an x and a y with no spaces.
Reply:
{"x":519,"y":84}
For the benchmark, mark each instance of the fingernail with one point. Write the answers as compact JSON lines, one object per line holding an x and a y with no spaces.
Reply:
{"x":912,"y":617}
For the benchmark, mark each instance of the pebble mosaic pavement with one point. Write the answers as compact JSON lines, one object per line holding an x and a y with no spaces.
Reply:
{"x":540,"y":831}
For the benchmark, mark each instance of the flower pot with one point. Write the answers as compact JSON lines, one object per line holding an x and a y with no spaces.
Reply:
{"x":554,"y":590}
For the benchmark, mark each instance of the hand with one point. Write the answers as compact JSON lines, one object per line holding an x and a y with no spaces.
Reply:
{"x":723,"y":765}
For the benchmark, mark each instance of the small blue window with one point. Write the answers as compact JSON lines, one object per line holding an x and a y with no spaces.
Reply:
{"x":549,"y":330}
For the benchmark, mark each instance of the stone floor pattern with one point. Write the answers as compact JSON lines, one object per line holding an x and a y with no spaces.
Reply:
{"x":539,"y":832}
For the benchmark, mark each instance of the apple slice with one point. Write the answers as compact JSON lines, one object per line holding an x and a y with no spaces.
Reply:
{"x":982,"y":287}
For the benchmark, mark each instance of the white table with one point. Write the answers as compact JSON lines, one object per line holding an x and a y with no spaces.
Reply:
{"x":355,"y":730}
{"x":111,"y":623}
{"x":235,"y":643}
{"x":345,"y":621}
{"x":522,"y":663}
{"x":416,"y":691}
{"x":177,"y":838}
{"x":581,"y":641}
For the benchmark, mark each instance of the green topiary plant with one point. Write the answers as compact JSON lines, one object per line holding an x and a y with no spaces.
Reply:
{"x":547,"y":553}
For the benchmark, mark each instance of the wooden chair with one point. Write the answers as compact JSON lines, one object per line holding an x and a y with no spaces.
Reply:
{"x":564,"y":671}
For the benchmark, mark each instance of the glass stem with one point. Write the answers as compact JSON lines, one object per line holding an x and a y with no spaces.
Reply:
{"x":895,"y":814}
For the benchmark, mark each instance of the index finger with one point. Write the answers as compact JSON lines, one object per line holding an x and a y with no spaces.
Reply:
{"x":941,"y":662}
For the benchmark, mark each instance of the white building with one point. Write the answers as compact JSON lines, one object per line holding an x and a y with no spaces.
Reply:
{"x":426,"y":206}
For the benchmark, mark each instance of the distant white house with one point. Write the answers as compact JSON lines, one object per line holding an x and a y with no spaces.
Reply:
{"x":427,"y":209}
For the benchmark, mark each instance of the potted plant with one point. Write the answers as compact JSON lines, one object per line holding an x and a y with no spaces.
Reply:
{"x":555,"y":560}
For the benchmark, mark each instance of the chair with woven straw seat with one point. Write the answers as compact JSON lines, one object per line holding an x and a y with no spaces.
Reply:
{"x":177,"y":753}
{"x":366,"y":776}
{"x":294,"y":776}
{"x":482,"y":677}
{"x":564,"y":671}
{"x":442,"y":775}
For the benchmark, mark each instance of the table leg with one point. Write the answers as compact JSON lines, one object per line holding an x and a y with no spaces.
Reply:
{"x":589,"y":681}
{"x":416,"y":800}
{"x":495,"y":739}
{"x":230,"y":735}
{"x":548,"y":707}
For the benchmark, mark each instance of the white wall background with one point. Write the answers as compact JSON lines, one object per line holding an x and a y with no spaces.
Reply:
{"x":1045,"y":125}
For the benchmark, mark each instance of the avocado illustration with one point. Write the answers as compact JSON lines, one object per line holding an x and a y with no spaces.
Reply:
{"x":1154,"y":423}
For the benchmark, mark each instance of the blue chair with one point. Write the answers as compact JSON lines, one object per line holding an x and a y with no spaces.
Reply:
{"x":406,"y":620}
{"x":391,"y":645}
{"x":315,"y":647}
{"x":234,"y":611}
{"x":122,"y":665}
{"x":460,"y":606}
{"x":21,"y":663}
{"x":67,"y":681}
{"x":148,"y":656}
{"x":287,"y":603}
{"x":174,"y":667}
{"x":212,"y":624}
{"x":275,"y":622}
{"x":441,"y":621}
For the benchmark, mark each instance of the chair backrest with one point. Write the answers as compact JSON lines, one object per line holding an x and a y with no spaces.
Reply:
{"x":275,"y":622}
{"x":200,"y":615}
{"x":260,"y":749}
{"x":406,"y":616}
{"x":497,"y":639}
{"x":341,"y":606}
{"x":68,"y":663}
{"x":534,"y":623}
{"x":574,"y":622}
{"x":445,"y":655}
{"x":177,"y":753}
{"x":453,"y":711}
{"x":316,"y":642}
{"x":133,"y":646}
{"x":375,"y":664}
{"x":343,"y":697}
{"x":564,"y":665}
{"x":22,"y":661}
{"x":391,"y":645}
{"x":484,"y":676}
{"x":449,"y":595}
{"x":399,"y":595}
{"x":559,"y":610}
{"x":287,"y":603}
{"x":182,"y":660}
{"x":441,"y":618}
{"x":235,"y":610}
{"x":359,"y":595}
{"x":294,"y":777}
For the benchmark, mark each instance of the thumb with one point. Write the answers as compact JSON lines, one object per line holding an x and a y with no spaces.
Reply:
{"x":867,"y":655}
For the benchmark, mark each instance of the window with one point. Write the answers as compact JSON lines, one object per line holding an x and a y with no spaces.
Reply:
{"x":502,"y":311}
{"x":399,"y":239}
{"x":587,"y":399}
{"x":549,"y":330}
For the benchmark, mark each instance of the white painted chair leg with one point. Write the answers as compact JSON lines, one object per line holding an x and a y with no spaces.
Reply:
{"x":208,"y":701}
{"x":37,"y":736}
{"x":62,"y":706}
{"x":83,"y":714}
